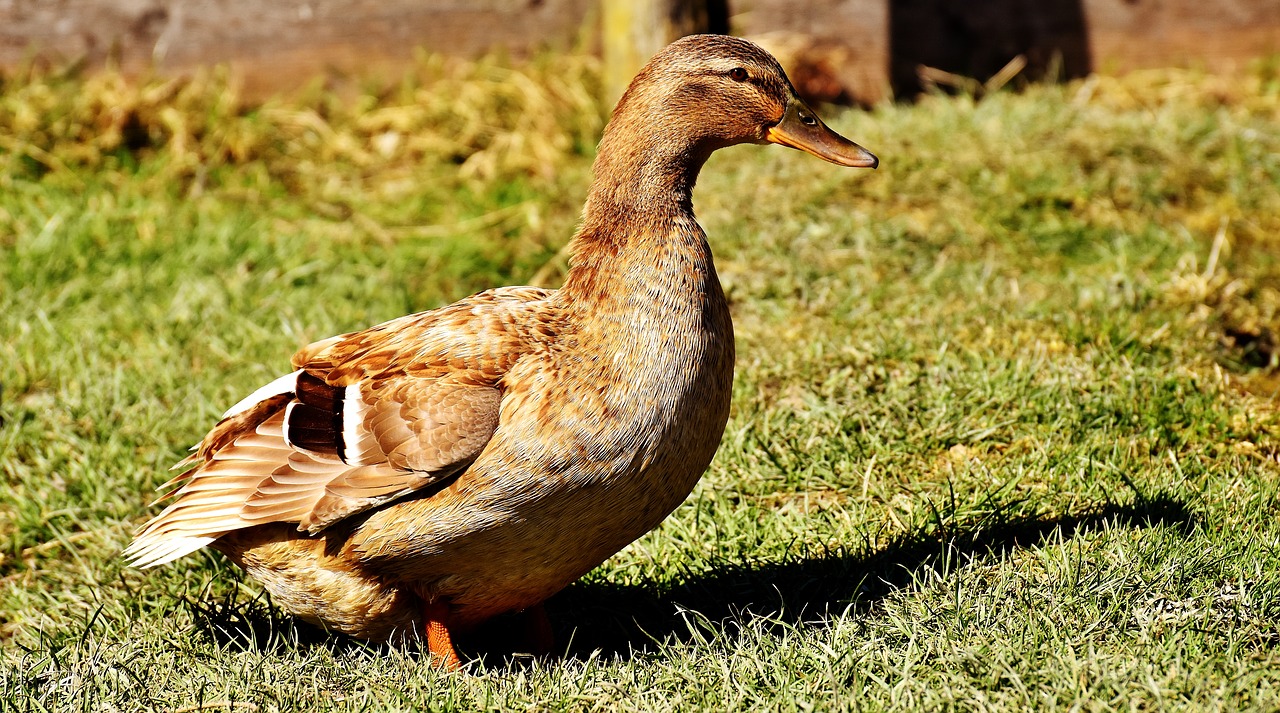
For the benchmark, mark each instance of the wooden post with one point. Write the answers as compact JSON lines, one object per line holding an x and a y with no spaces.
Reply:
{"x":634,"y":30}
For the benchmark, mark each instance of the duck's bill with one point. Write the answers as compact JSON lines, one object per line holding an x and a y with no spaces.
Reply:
{"x":801,"y":129}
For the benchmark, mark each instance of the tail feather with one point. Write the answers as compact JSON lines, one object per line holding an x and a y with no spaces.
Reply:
{"x":147,"y":554}
{"x":221,"y":476}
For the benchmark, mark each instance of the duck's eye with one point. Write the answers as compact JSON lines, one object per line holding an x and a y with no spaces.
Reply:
{"x":738,"y":74}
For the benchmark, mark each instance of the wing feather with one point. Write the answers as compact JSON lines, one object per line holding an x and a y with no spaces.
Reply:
{"x":364,"y":419}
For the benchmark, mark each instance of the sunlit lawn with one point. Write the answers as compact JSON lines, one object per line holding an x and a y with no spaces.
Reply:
{"x":1004,"y":433}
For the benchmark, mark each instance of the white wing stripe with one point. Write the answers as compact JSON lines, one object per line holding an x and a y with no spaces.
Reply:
{"x":352,"y":415}
{"x":284,"y":385}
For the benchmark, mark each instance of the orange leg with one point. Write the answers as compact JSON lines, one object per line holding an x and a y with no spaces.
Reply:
{"x":439,"y":642}
{"x":537,"y":629}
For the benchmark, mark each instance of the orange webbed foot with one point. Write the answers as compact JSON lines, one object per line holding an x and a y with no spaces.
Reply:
{"x":435,"y":618}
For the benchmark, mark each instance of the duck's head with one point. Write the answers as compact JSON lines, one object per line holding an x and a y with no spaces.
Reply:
{"x":705,"y":92}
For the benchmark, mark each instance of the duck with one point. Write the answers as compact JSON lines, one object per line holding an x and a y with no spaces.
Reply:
{"x":418,"y":478}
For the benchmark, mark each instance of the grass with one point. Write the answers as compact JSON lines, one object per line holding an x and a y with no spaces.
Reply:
{"x":1004,"y":432}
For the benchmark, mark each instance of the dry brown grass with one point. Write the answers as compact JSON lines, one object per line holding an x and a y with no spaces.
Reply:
{"x":490,"y":119}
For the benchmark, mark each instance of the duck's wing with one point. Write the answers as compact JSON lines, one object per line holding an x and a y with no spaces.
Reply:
{"x":364,"y":419}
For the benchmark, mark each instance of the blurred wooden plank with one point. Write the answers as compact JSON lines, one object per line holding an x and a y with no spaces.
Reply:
{"x":281,"y":44}
{"x":1221,"y":36}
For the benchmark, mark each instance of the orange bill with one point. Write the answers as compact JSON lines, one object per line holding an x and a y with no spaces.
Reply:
{"x":801,"y":129}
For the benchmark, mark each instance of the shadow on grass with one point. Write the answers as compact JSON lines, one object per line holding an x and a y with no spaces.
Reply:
{"x":619,"y":620}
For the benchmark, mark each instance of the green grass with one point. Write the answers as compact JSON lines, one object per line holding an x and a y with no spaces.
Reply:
{"x":1004,"y":432}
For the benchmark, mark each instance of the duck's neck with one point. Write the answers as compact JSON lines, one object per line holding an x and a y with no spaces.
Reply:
{"x":640,"y":205}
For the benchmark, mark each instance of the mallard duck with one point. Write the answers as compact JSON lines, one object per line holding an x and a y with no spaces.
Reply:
{"x":424,"y":475}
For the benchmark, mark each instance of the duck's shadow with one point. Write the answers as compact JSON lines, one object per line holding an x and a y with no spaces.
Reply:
{"x":619,"y":619}
{"x":596,"y":618}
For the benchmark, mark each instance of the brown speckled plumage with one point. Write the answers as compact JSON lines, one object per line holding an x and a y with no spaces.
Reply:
{"x":448,"y":466}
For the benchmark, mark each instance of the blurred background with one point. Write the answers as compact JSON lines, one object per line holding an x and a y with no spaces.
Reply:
{"x":858,"y":51}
